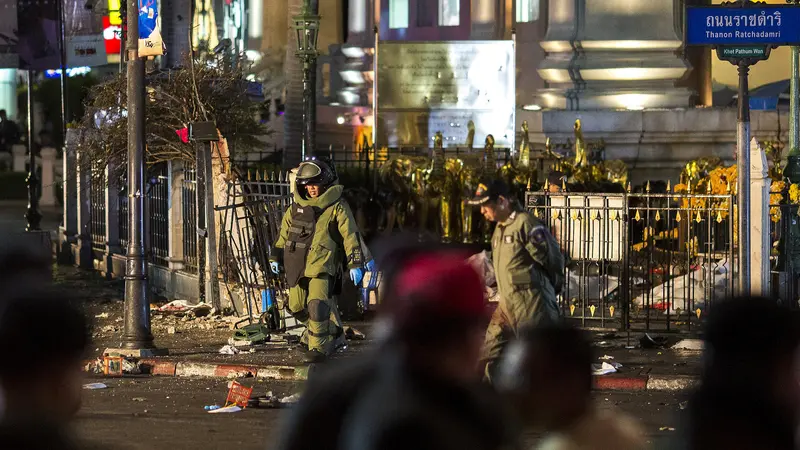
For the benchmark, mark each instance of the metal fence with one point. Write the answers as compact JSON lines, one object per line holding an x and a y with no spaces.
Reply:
{"x":97,"y":199}
{"x":641,"y":261}
{"x":123,"y":212}
{"x":158,"y":212}
{"x":251,"y":224}
{"x":189,"y":214}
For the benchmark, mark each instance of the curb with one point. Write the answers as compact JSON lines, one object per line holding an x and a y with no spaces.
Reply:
{"x":158,"y":367}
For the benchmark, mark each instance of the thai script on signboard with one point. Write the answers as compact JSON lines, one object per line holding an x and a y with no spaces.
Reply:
{"x":725,"y":25}
{"x":745,"y":20}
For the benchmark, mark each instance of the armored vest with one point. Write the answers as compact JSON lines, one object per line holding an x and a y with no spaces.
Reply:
{"x":298,"y":242}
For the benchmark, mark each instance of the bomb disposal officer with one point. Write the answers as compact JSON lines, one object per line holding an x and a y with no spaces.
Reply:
{"x":318,"y":232}
{"x":528,"y":265}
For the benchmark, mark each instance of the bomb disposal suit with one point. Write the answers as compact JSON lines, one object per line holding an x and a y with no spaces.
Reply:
{"x":317,"y":234}
{"x":528,"y":266}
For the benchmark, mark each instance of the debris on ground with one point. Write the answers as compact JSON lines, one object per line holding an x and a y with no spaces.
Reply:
{"x":689,"y":344}
{"x":648,"y":341}
{"x":131,"y":368}
{"x":229,"y":350}
{"x":605,"y":368}
{"x":353,"y":334}
{"x":291,"y":399}
{"x":184,"y":306}
{"x":138,"y":399}
{"x":226,"y":409}
{"x":606,"y":358}
{"x":666,"y":429}
{"x":93,"y":386}
{"x":101,"y":316}
{"x":211,"y":407}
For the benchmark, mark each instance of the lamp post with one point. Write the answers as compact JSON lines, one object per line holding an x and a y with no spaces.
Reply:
{"x":306,"y":26}
{"x":792,"y":170}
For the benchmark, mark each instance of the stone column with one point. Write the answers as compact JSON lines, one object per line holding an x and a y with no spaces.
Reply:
{"x":48,"y":198}
{"x":18,"y":153}
{"x":69,"y":223}
{"x":613,"y":54}
{"x":112,"y":220}
{"x":82,"y":249}
{"x":175,"y":258}
{"x":760,"y":222}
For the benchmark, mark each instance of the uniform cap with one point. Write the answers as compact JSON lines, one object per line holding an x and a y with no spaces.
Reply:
{"x":488,"y":190}
{"x":443,"y":285}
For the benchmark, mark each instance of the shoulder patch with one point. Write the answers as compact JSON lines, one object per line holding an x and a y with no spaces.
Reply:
{"x":538,"y":234}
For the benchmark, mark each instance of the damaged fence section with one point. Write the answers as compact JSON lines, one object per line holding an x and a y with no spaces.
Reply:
{"x":649,"y":261}
{"x":251,"y":224}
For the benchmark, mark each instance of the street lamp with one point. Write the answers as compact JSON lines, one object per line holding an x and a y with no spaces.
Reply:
{"x":306,"y":26}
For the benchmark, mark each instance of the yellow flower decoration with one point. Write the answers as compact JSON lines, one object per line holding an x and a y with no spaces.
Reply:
{"x":794,"y":193}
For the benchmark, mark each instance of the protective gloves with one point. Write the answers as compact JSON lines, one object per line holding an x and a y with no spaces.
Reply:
{"x":356,"y":275}
{"x":371,"y":266}
{"x":275,"y":266}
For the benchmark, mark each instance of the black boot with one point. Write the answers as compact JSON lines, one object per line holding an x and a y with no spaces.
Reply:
{"x":314,"y":357}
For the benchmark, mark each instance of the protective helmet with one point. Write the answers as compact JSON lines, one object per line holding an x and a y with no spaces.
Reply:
{"x":315,"y":172}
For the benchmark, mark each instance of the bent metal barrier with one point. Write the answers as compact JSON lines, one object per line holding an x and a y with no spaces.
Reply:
{"x":652,"y":261}
{"x":641,"y":260}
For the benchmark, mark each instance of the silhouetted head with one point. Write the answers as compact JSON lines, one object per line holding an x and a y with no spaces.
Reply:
{"x":547,"y":374}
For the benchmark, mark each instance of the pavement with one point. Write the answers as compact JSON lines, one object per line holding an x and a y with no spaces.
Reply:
{"x":154,"y":412}
{"x":12,"y":216}
{"x":194,"y":344}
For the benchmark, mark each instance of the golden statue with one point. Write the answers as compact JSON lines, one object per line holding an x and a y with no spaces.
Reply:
{"x":525,"y":146}
{"x":581,"y":158}
{"x":489,"y":162}
{"x":468,"y":178}
{"x":548,"y":150}
{"x":616,"y":171}
{"x":452,"y":178}
{"x":470,"y":134}
{"x":437,"y":163}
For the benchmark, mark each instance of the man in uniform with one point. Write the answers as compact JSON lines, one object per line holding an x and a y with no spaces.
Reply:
{"x":528,"y":265}
{"x":317,"y":234}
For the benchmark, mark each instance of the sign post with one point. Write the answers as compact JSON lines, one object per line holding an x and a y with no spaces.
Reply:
{"x":743,"y":32}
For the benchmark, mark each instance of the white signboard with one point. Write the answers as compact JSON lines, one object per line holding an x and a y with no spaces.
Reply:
{"x":425,"y":87}
{"x":86,"y":51}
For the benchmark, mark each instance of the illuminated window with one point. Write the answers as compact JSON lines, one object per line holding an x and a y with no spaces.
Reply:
{"x":358,"y":16}
{"x":398,"y":13}
{"x":256,"y":17}
{"x":483,"y":11}
{"x":527,"y":10}
{"x":448,"y":13}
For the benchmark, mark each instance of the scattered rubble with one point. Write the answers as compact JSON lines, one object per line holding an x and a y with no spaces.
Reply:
{"x":229,"y":350}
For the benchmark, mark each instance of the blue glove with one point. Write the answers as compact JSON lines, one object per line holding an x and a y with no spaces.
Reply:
{"x":371,"y":266}
{"x":356,"y":275}
{"x":275,"y":266}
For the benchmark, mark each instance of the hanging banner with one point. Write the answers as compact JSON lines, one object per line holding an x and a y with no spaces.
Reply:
{"x":150,"y":42}
{"x":37,"y":34}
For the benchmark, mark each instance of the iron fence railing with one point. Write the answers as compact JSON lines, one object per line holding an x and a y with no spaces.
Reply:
{"x":122,"y":222}
{"x":641,"y":261}
{"x":251,"y":225}
{"x":189,"y":215}
{"x":158,"y":212}
{"x":97,"y":211}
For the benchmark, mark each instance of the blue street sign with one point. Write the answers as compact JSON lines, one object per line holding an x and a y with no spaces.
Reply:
{"x":734,"y":25}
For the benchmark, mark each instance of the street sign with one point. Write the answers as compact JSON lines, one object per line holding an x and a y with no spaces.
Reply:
{"x":750,"y":54}
{"x":737,"y":25}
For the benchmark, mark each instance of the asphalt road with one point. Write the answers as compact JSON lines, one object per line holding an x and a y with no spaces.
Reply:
{"x":166,"y":413}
